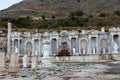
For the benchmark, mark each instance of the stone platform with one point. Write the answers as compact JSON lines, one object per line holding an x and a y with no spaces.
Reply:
{"x":85,"y":58}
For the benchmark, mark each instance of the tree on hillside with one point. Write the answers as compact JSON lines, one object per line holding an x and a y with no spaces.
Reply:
{"x":79,"y":13}
{"x":102,"y":15}
{"x":72,"y":15}
{"x":23,"y":22}
{"x":117,"y":13}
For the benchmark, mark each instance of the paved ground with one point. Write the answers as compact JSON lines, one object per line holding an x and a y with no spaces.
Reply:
{"x":69,"y":71}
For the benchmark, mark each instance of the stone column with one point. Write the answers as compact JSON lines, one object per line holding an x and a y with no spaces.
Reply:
{"x":12,"y":45}
{"x":9,"y":40}
{"x":39,"y":46}
{"x":18,"y":46}
{"x":77,"y":47}
{"x":89,"y":47}
{"x":70,"y":46}
{"x":57,"y":46}
{"x":51,"y":47}
{"x":33,"y":47}
{"x":97,"y":49}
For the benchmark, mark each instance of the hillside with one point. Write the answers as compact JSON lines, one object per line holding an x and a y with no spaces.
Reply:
{"x":60,"y":8}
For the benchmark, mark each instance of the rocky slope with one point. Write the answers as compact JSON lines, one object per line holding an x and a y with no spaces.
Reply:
{"x":60,"y":8}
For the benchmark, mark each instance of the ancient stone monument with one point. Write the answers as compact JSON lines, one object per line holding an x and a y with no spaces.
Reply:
{"x":46,"y":59}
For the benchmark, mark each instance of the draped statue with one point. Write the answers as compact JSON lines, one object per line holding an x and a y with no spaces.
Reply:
{"x":116,"y":47}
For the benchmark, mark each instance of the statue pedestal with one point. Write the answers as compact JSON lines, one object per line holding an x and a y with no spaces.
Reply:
{"x":46,"y":60}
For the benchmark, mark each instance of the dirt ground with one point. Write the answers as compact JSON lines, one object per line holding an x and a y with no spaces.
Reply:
{"x":69,"y":71}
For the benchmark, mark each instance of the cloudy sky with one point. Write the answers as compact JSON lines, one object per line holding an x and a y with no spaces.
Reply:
{"x":6,"y":3}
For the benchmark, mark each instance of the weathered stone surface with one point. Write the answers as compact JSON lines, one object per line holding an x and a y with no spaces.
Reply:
{"x":14,"y":62}
{"x":34,"y":63}
{"x":25,"y":60}
{"x":2,"y":64}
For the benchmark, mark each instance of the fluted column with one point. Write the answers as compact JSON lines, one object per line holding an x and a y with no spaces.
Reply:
{"x":9,"y":40}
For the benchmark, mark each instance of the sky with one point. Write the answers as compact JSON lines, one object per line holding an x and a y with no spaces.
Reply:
{"x":7,"y":3}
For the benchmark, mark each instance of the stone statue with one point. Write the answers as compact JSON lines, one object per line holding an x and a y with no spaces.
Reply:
{"x":25,"y":60}
{"x":36,"y":52}
{"x":45,"y":50}
{"x":73,"y":50}
{"x":16,"y":50}
{"x":102,"y":29}
{"x":116,"y":47}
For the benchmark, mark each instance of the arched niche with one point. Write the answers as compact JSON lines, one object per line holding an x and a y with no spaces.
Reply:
{"x":103,"y":46}
{"x":64,"y":36}
{"x":116,"y":38}
{"x":116,"y":43}
{"x":73,"y":45}
{"x":54,"y":46}
{"x":21,"y":48}
{"x":29,"y":48}
{"x":64,"y":44}
{"x":83,"y":45}
{"x":93,"y":45}
{"x":15,"y":44}
{"x":36,"y":46}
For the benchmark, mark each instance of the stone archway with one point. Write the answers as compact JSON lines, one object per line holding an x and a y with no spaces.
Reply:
{"x":103,"y":46}
{"x":64,"y":44}
{"x":64,"y":49}
{"x":29,"y":48}
{"x":83,"y":45}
